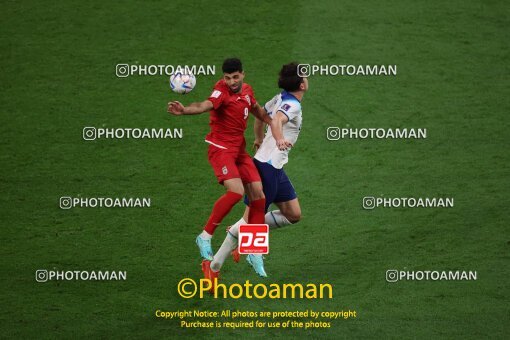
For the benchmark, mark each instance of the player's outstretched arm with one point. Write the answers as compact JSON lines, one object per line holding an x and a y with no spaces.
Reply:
{"x":176,"y":108}
{"x":260,"y":113}
{"x":277,"y":130}
{"x":258,"y":129}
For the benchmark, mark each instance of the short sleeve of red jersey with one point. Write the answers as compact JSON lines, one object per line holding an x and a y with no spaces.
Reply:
{"x":217,"y":96}
{"x":253,"y":101}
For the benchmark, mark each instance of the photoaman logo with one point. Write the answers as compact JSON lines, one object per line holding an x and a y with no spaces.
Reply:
{"x":43,"y":275}
{"x":189,"y":288}
{"x":394,"y":275}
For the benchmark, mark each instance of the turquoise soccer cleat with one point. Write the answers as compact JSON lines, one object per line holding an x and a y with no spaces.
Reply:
{"x":257,"y":262}
{"x":205,"y":248}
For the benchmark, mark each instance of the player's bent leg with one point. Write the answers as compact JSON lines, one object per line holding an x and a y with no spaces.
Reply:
{"x":227,"y":246}
{"x":221,"y":208}
{"x":291,"y":210}
{"x":256,"y":215}
{"x":257,"y":202}
{"x":234,"y":230}
{"x":254,"y":190}
{"x":234,"y":185}
{"x":286,"y":199}
{"x":253,"y":184}
{"x":289,"y":213}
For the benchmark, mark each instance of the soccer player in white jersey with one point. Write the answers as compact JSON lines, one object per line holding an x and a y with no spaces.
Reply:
{"x":285,"y":109}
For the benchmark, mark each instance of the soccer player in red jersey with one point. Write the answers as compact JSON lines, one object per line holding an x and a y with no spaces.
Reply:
{"x":230,"y":104}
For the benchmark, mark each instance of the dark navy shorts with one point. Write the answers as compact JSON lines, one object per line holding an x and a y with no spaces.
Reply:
{"x":276,"y":184}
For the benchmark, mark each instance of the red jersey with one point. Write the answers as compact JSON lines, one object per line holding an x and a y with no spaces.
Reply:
{"x":229,"y":115}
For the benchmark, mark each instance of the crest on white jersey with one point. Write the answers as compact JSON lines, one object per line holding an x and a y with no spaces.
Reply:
{"x":285,"y":107}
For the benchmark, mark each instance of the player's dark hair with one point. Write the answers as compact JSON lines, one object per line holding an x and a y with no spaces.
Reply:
{"x":288,"y":79}
{"x":232,"y":65}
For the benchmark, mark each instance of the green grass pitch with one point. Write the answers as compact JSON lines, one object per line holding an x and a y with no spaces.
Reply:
{"x":58,"y":76}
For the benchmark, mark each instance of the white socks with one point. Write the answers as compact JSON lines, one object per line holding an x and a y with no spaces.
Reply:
{"x":275,"y":219}
{"x":229,"y":244}
{"x":234,"y":230}
{"x":226,"y":248}
{"x":205,"y":235}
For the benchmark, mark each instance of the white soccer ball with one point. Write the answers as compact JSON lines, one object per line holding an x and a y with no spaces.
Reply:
{"x":182,"y":82}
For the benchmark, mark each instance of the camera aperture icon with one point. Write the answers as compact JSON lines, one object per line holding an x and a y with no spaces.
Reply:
{"x":368,"y":202}
{"x":333,"y":133}
{"x":303,"y":70}
{"x":392,"y":275}
{"x":89,"y":133}
{"x":41,"y":275}
{"x":122,"y":70}
{"x":66,"y":202}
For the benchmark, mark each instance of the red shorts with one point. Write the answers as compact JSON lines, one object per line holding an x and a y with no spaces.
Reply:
{"x":228,"y":164}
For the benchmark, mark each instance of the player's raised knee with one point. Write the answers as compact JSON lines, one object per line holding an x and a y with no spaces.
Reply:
{"x":255,"y":191}
{"x":294,"y":218}
{"x":234,"y":185}
{"x":238,"y":191}
{"x":257,"y":195}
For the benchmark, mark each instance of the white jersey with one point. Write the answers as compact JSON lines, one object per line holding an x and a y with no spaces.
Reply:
{"x":291,"y":107}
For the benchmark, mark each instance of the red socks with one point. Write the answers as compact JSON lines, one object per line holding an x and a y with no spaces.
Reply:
{"x":221,"y":208}
{"x":257,"y":211}
{"x":226,"y":202}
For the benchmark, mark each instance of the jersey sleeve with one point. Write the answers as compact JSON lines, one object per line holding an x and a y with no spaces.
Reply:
{"x":253,"y":101}
{"x":270,"y":105}
{"x":217,"y":97}
{"x":290,"y":108}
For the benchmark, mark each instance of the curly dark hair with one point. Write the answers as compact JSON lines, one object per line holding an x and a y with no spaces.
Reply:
{"x":288,"y":79}
{"x":232,"y":65}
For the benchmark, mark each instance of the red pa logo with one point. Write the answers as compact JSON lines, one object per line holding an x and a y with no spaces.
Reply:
{"x":253,"y":239}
